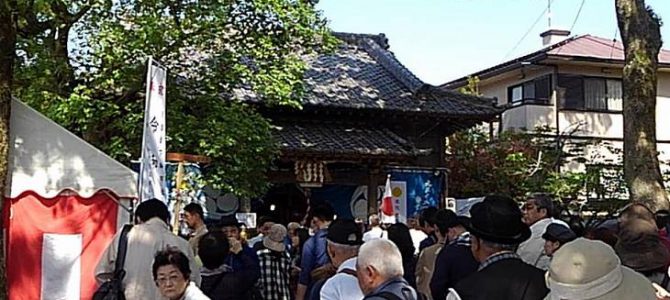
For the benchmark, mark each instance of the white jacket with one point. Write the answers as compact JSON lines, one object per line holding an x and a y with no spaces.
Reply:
{"x":532,"y":250}
{"x":341,"y":285}
{"x":194,"y":293}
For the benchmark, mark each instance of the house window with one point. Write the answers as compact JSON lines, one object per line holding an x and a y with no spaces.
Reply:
{"x":590,"y":93}
{"x":536,"y":91}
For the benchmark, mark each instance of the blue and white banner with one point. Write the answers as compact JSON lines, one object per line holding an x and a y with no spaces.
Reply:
{"x":152,"y":162}
{"x":414,"y":190}
{"x":349,"y":201}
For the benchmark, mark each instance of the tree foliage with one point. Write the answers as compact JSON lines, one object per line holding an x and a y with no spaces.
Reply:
{"x":517,"y":163}
{"x":513,"y":164}
{"x":83,"y":64}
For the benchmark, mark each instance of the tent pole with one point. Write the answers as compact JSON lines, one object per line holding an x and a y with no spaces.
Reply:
{"x":119,"y":202}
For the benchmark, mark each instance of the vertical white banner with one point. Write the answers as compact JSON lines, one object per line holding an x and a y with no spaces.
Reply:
{"x":152,"y":166}
{"x":61,"y":266}
{"x":399,"y":192}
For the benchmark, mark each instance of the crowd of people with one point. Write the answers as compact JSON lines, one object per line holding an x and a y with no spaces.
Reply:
{"x":499,"y":251}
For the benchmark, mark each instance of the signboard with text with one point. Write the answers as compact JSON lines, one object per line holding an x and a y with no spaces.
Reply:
{"x":152,"y":162}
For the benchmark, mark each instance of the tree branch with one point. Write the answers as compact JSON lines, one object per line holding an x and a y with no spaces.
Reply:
{"x":33,"y":27}
{"x":82,"y":11}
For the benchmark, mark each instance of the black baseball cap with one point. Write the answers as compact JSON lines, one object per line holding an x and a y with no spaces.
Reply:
{"x":344,"y":232}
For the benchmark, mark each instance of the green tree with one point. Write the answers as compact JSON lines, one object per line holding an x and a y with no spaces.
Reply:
{"x":84,"y":64}
{"x":7,"y":48}
{"x":641,"y":37}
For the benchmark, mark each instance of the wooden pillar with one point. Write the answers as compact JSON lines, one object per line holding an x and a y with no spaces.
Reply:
{"x":445,"y":189}
{"x":306,"y":221}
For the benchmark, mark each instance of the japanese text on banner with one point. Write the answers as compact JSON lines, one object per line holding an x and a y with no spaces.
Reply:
{"x":152,"y":169}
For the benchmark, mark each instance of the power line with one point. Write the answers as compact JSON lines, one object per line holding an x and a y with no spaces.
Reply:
{"x":577,"y":16}
{"x":529,"y":30}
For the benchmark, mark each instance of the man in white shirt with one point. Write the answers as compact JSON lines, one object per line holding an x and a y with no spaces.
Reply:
{"x":537,"y":212}
{"x":417,"y":234}
{"x":344,"y":239}
{"x":376,"y":231}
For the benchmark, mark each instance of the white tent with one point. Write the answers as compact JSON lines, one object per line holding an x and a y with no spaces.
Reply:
{"x":46,"y":158}
{"x":65,"y":200}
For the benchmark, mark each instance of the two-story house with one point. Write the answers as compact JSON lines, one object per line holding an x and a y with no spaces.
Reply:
{"x":572,"y":85}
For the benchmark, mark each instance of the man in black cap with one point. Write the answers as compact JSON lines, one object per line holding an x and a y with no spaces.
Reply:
{"x":344,"y":238}
{"x":496,"y":231}
{"x":455,"y":261}
{"x":556,"y":236}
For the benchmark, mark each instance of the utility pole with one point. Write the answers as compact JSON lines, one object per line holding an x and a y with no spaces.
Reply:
{"x":549,"y":14}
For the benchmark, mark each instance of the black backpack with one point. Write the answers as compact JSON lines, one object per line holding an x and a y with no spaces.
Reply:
{"x":113,"y":288}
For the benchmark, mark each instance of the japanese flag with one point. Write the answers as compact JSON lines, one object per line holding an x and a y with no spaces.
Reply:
{"x":387,"y":200}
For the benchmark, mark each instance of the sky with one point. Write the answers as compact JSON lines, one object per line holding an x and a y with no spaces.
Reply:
{"x":442,"y":40}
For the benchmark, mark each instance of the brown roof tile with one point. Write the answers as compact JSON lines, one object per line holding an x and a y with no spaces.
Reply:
{"x":363,"y":74}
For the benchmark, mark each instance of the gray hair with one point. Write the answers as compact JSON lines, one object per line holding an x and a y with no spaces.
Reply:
{"x":383,"y":255}
{"x":293,"y":226}
{"x":543,"y":200}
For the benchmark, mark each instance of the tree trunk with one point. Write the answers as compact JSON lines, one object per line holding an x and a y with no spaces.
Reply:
{"x":8,"y":15}
{"x":640,"y":32}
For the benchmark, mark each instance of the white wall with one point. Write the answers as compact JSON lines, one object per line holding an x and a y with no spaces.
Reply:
{"x":593,"y":124}
{"x":596,"y":124}
{"x":598,"y":153}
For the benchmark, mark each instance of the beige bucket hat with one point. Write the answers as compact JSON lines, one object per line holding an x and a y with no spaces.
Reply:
{"x":587,"y":269}
{"x":275,"y":238}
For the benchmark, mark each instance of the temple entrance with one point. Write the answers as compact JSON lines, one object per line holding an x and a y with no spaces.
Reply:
{"x":284,"y":203}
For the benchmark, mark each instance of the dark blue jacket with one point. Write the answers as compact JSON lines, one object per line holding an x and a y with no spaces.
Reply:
{"x":453,"y":263}
{"x":314,"y":255}
{"x":229,"y":284}
{"x":246,"y":260}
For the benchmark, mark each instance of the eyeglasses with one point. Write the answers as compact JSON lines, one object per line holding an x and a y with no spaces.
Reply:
{"x":172,"y":278}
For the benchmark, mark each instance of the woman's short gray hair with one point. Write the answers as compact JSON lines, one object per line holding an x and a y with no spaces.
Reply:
{"x":383,"y":255}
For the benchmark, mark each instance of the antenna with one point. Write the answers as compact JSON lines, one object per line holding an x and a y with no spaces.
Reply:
{"x":549,"y":13}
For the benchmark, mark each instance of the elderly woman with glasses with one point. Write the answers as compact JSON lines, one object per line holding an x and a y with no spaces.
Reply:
{"x":171,"y":273}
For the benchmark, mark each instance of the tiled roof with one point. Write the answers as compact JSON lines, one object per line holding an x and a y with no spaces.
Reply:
{"x":341,"y":139}
{"x":363,"y":74}
{"x":586,"y":47}
{"x":589,"y":46}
